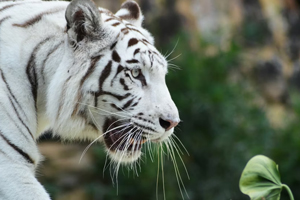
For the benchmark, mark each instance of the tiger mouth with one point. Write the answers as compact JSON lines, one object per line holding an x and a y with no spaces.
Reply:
{"x":121,"y":137}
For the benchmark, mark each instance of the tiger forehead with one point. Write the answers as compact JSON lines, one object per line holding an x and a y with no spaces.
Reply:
{"x":139,"y":55}
{"x":137,"y":43}
{"x":114,"y":21}
{"x":145,"y":52}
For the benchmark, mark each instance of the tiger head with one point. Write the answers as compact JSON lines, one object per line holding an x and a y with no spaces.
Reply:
{"x":111,"y":84}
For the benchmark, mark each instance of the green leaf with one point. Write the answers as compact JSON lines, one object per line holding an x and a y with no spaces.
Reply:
{"x":260,"y":179}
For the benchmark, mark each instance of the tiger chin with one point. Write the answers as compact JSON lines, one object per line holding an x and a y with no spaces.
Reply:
{"x":83,"y":73}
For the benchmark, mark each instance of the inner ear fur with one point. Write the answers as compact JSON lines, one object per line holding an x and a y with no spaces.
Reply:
{"x":131,"y":12}
{"x":83,"y":19}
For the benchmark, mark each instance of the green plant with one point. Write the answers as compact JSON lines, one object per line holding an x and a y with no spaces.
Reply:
{"x":260,"y":180}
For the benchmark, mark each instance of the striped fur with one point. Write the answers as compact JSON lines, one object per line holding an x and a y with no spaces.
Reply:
{"x":83,"y":73}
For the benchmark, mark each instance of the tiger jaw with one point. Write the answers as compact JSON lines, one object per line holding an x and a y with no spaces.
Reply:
{"x":124,"y":141}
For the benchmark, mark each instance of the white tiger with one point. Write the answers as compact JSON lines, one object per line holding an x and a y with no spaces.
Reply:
{"x":83,"y":73}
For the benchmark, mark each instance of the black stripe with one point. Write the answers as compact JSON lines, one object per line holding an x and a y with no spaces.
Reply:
{"x":127,"y":104}
{"x":159,"y":62}
{"x":144,"y":127}
{"x":37,"y":18}
{"x":135,"y":104}
{"x":120,"y":68}
{"x":133,"y":29}
{"x":126,"y":17}
{"x":94,"y":61}
{"x":116,"y":24}
{"x":156,"y":53}
{"x":109,"y":19}
{"x":31,"y":72}
{"x":18,"y":115}
{"x":15,"y":109}
{"x":122,"y":82}
{"x":4,"y":153}
{"x":20,"y":151}
{"x":150,"y":58}
{"x":132,"y":41}
{"x":124,"y":31}
{"x":145,"y":120}
{"x":142,"y":78}
{"x":146,"y":41}
{"x":95,"y":100}
{"x":104,"y":74}
{"x":5,"y":18}
{"x":62,"y":96}
{"x":113,"y":45}
{"x":8,"y":6}
{"x":48,"y":55}
{"x":116,"y":57}
{"x":119,"y":97}
{"x":136,"y":51}
{"x":10,"y":92}
{"x":15,"y":4}
{"x":5,"y":7}
{"x":14,"y":121}
{"x":115,"y":107}
{"x":132,"y":61}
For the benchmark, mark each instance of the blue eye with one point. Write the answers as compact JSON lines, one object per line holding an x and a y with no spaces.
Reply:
{"x":135,"y":72}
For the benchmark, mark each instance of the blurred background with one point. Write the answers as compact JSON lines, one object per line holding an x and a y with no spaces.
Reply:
{"x":238,"y":94}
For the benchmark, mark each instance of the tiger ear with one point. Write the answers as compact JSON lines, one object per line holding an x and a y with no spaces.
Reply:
{"x":83,"y":19}
{"x":131,"y":12}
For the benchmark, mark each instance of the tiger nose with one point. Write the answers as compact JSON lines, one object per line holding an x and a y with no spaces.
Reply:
{"x":167,"y":124}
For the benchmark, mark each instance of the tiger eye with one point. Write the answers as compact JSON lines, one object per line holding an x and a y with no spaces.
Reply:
{"x":135,"y":73}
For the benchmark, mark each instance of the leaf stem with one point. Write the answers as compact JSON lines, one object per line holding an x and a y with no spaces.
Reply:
{"x":289,"y":191}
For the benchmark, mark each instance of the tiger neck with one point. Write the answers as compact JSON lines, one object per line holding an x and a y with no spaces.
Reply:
{"x":50,"y":63}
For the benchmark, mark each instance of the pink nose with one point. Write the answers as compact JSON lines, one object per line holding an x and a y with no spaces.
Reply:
{"x":167,"y":124}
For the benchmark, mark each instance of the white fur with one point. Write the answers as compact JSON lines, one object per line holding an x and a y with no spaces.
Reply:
{"x":58,"y":87}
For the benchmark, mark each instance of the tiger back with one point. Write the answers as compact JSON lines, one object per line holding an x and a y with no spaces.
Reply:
{"x":80,"y":72}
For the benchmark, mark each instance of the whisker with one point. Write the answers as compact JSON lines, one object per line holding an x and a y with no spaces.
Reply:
{"x":114,"y":172}
{"x":105,"y":163}
{"x":177,"y":172}
{"x":86,"y":149}
{"x":172,"y":49}
{"x":162,"y":171}
{"x":173,"y":135}
{"x":121,"y":137}
{"x":157,"y":176}
{"x":117,"y":165}
{"x":173,"y":66}
{"x":174,"y":58}
{"x":186,"y":171}
{"x":109,"y":112}
{"x":175,"y":143}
